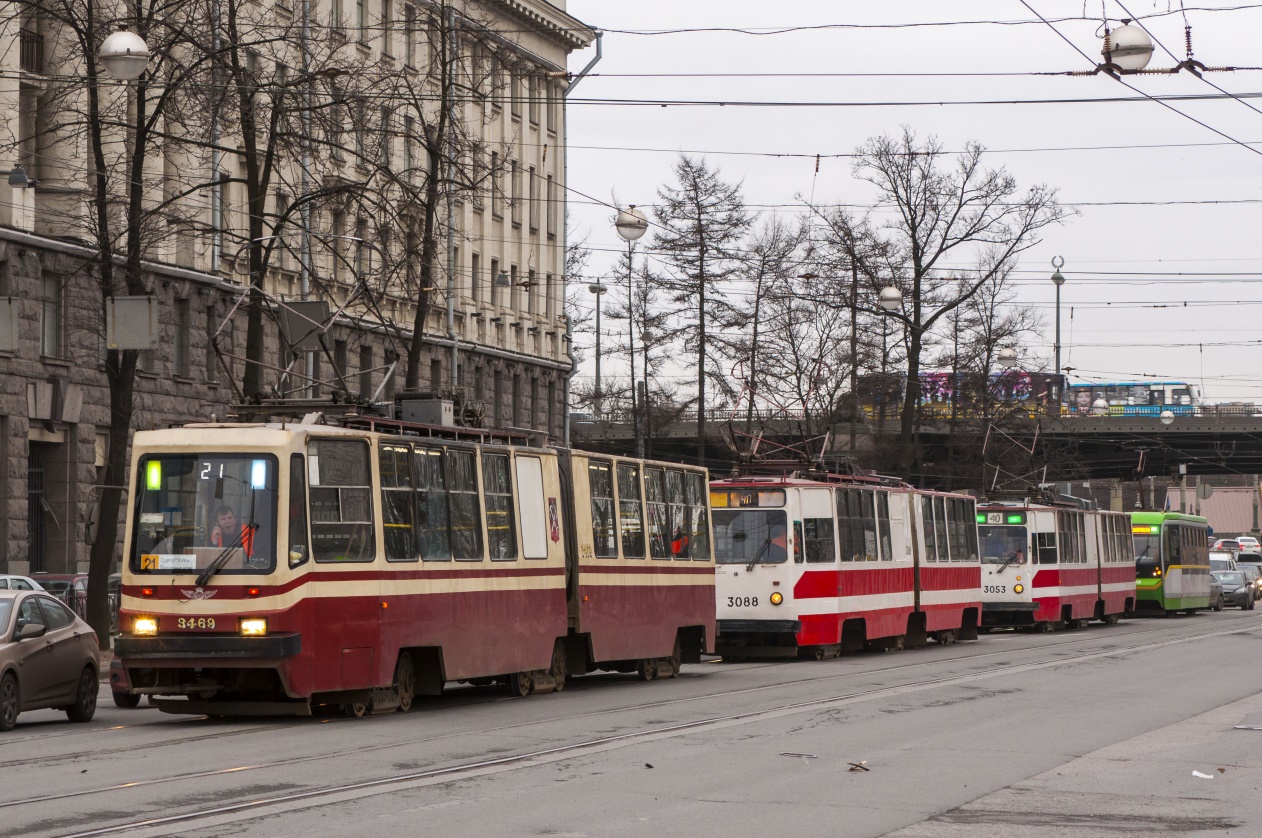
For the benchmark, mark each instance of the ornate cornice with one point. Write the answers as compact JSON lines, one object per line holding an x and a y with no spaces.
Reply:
{"x":553,"y":22}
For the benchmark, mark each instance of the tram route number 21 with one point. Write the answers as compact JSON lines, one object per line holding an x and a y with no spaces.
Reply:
{"x":994,"y":589}
{"x":742,"y":601}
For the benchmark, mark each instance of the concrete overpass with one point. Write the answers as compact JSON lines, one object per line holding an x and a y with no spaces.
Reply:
{"x":1214,"y":439}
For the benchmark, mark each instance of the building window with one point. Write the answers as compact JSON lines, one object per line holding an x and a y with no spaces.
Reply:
{"x":497,"y":185}
{"x":530,"y":291}
{"x":495,"y":289}
{"x":339,"y":359}
{"x":339,"y":19}
{"x":534,"y":85}
{"x":386,"y":138}
{"x":218,"y":219}
{"x":550,"y":209}
{"x":551,"y":407}
{"x":52,"y":313}
{"x":212,"y":326}
{"x":338,"y":223}
{"x":515,"y":292}
{"x":534,"y":201}
{"x":514,"y":92}
{"x":361,"y":19}
{"x":365,"y":372}
{"x":409,"y":127}
{"x":392,"y":359}
{"x":514,"y":197}
{"x":497,"y":397}
{"x":516,"y":405}
{"x":552,"y":114}
{"x":475,"y":276}
{"x":436,"y":375}
{"x":182,"y":338}
{"x":409,"y":35}
{"x":387,"y":27}
{"x":547,"y":295}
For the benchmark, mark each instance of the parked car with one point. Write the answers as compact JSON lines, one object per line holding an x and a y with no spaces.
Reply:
{"x":70,"y":588}
{"x":1255,"y":576}
{"x":1237,"y":589}
{"x":1226,"y":544}
{"x":1215,"y":600}
{"x":1222,"y":561}
{"x":48,"y":658}
{"x":10,"y":582}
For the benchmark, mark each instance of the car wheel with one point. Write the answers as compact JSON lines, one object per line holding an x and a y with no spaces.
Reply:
{"x":84,"y":707}
{"x":1218,"y":604}
{"x":10,"y":702}
{"x":126,"y":700}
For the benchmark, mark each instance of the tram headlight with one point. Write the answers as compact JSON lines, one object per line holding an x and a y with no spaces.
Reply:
{"x":144,"y":626}
{"x":777,"y":598}
{"x":1018,"y":589}
{"x":253,"y":627}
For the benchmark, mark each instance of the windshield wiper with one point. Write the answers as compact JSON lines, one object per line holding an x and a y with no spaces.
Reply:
{"x":1006,"y":562}
{"x":222,"y":559}
{"x":758,"y":556}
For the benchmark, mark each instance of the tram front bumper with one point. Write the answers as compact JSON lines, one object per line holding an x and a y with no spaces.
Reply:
{"x":208,"y":647}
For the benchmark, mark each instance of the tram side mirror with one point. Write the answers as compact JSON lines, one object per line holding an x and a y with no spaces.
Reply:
{"x":30,"y":631}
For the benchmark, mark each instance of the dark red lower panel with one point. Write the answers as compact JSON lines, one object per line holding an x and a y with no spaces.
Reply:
{"x":631,"y":622}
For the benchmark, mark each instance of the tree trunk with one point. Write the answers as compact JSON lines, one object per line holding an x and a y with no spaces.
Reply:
{"x":907,"y":455}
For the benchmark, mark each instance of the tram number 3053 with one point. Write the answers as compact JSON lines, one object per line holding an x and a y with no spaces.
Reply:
{"x":742,"y":601}
{"x":995,"y":589}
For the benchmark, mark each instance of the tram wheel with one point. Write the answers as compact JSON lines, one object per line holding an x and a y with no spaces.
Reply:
{"x":1111,"y":619}
{"x":675,"y":661}
{"x":946,"y":637}
{"x":1044,"y":627}
{"x":560,"y":668}
{"x":405,"y":681}
{"x":355,"y":709}
{"x":520,"y":683}
{"x":647,"y":669}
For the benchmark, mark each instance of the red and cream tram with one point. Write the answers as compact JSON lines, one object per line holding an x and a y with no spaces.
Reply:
{"x":816,"y":565}
{"x":1052,"y":564}
{"x":272,"y":567}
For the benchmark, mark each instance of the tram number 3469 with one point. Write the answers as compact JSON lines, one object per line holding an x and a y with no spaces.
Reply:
{"x":742,"y":601}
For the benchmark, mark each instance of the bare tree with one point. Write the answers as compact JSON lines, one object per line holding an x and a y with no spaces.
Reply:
{"x":701,"y":222}
{"x":943,"y":208}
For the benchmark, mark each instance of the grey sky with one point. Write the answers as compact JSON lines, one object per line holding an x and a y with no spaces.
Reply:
{"x":1118,"y":255}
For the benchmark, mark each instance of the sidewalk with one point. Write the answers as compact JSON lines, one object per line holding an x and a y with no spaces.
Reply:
{"x":1142,"y":786}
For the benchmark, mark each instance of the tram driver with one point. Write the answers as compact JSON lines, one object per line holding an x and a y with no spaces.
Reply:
{"x":228,"y":533}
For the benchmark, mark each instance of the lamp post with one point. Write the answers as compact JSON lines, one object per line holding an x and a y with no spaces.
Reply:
{"x":599,"y":290}
{"x":1058,"y":280}
{"x":631,"y":225}
{"x":124,"y":55}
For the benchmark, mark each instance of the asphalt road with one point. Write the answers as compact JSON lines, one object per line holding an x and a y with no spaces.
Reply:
{"x":1084,"y":733}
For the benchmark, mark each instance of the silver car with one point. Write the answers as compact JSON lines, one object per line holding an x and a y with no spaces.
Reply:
{"x":48,"y":658}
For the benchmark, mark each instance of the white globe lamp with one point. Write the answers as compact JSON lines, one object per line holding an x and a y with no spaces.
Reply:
{"x":125,"y":55}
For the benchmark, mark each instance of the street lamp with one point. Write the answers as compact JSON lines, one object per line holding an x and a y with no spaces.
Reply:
{"x":1007,"y":358}
{"x":1167,"y":417}
{"x":1058,"y":280}
{"x":1127,"y":48}
{"x":891,"y":298}
{"x":125,"y":55}
{"x":631,"y":225}
{"x":1099,"y":407}
{"x":599,"y":290}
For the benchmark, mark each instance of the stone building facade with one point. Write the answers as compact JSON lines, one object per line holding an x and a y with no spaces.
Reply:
{"x":506,"y":276}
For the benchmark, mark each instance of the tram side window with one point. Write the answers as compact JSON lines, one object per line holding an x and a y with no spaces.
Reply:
{"x":883,"y":525}
{"x":1173,"y":545}
{"x":397,"y":512}
{"x":433,"y":519}
{"x":956,"y":509}
{"x":818,"y":535}
{"x":501,"y":529}
{"x":858,"y":547}
{"x":926,"y":524}
{"x":462,"y":495}
{"x":604,"y":527}
{"x":870,"y":552}
{"x":630,"y":511}
{"x":341,"y":500}
{"x":659,"y":521}
{"x":678,"y":518}
{"x":1045,"y":542}
{"x":698,"y":517}
{"x":850,"y":539}
{"x":1080,"y":521}
{"x":940,"y":524}
{"x":299,"y":548}
{"x":970,"y":529}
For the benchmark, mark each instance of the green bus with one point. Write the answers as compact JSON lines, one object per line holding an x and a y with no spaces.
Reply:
{"x":1171,"y":562}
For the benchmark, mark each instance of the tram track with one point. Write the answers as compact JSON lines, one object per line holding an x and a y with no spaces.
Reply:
{"x":309,"y":798}
{"x":472,"y":700}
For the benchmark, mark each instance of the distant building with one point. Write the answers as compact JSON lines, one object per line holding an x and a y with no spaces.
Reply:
{"x":511,"y":331}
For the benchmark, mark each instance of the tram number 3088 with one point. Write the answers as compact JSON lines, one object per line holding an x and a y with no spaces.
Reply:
{"x":742,"y":601}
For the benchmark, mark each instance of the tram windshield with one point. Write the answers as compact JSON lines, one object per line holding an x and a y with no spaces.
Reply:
{"x":195,"y":511}
{"x":750,"y":536}
{"x":1003,"y":545}
{"x":1147,"y":555}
